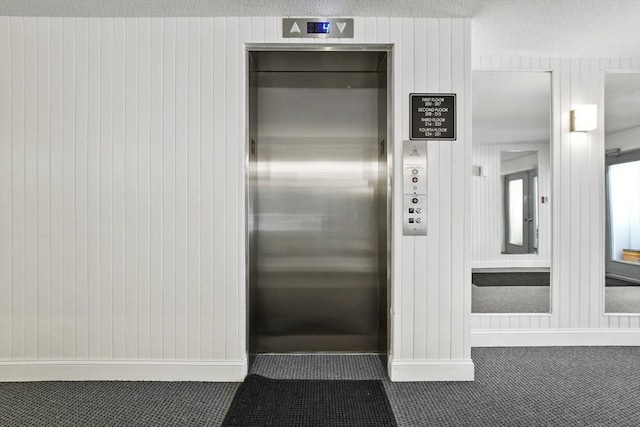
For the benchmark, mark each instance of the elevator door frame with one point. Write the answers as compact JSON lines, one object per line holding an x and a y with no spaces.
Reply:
{"x":290,"y":47}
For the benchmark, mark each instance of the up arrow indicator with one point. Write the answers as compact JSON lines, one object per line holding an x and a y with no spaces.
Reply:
{"x":295,"y":28}
{"x":341,"y":26}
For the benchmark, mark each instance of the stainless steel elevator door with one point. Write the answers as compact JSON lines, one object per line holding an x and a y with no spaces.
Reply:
{"x":317,"y":169}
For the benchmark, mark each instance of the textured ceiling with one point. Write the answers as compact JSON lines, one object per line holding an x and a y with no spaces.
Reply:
{"x":432,"y":8}
{"x":558,"y":28}
{"x":524,"y":27}
{"x":621,"y":101}
{"x":499,"y":117}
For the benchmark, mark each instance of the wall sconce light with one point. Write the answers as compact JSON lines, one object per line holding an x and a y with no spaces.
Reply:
{"x":584,"y":118}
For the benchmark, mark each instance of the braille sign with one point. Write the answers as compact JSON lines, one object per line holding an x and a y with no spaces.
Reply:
{"x":433,"y":116}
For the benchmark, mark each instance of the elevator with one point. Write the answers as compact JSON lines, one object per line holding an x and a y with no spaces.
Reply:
{"x":318,"y":198}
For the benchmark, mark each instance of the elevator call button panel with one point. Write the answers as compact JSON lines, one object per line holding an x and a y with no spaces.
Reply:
{"x":414,"y":164}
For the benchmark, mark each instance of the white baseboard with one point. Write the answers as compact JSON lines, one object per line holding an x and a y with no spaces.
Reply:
{"x":123,"y":370}
{"x":427,"y":370}
{"x":554,"y":338}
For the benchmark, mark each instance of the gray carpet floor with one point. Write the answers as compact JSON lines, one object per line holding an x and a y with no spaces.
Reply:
{"x":536,"y":299}
{"x":114,"y":403}
{"x":559,"y":386}
{"x":510,"y":299}
{"x":622,"y":299}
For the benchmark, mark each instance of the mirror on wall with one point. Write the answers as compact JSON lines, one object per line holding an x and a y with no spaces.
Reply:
{"x":511,"y":187}
{"x":622,"y":190}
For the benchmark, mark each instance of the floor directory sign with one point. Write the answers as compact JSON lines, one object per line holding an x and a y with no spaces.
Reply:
{"x":433,"y":116}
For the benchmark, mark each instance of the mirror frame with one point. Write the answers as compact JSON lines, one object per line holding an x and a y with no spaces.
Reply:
{"x":603,"y":208}
{"x":554,"y":138}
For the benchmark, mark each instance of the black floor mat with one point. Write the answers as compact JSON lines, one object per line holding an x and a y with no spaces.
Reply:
{"x":612,"y":281}
{"x":262,"y":401}
{"x":511,"y":279}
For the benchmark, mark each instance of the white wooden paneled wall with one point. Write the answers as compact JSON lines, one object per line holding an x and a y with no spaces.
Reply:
{"x":122,"y":196}
{"x":577,"y":202}
{"x":120,"y":193}
{"x":431,"y":307}
{"x":487,"y":209}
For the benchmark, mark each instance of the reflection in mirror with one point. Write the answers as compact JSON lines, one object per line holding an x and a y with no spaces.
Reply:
{"x":519,"y":170}
{"x":622,"y":184}
{"x":511,"y":254}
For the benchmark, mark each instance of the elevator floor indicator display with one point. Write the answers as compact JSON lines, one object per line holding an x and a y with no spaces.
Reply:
{"x":317,"y":27}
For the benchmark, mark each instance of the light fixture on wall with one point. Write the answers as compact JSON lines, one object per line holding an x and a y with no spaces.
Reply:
{"x":584,"y":118}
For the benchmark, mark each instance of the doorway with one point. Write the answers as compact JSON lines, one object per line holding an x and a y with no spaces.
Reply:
{"x":521,"y":212}
{"x":622,"y":261}
{"x":318,"y":199}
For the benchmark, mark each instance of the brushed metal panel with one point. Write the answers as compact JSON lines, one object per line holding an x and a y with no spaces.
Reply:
{"x":415,"y":188}
{"x":317,"y":177}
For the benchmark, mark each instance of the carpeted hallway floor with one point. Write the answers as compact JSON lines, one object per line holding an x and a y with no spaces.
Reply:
{"x":563,"y":386}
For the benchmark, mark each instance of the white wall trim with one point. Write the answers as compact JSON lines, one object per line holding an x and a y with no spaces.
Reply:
{"x":428,"y":370}
{"x":553,"y":338}
{"x":123,"y":370}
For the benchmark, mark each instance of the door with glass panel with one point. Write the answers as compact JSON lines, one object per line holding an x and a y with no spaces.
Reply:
{"x":520,"y":194}
{"x":623,"y":216}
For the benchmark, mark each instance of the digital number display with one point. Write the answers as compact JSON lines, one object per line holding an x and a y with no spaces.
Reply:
{"x":318,"y":27}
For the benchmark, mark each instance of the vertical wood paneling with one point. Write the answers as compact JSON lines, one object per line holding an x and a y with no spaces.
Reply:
{"x":106,"y":187}
{"x":207,"y":326}
{"x":444,"y":201}
{"x":143,"y":208}
{"x":156,"y":189}
{"x":181,"y":182}
{"x":409,"y":280}
{"x":232,"y":189}
{"x":390,"y":31}
{"x":575,"y":144}
{"x":194,"y":290}
{"x":461,"y":181}
{"x":168,"y":188}
{"x":55,"y":43}
{"x":420,"y":300}
{"x":68,"y":184}
{"x":18,"y":187}
{"x":466,"y":327}
{"x":93,"y":188}
{"x":129,"y":293}
{"x":219,"y":167}
{"x":271,"y":32}
{"x":244,"y":31}
{"x":433,"y":189}
{"x":596,"y":271}
{"x":31,"y":188}
{"x":6,"y":198}
{"x":555,"y":190}
{"x":118,"y":182}
{"x":577,"y":202}
{"x":81,"y":188}
{"x":43,"y":267}
{"x":588,"y":198}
